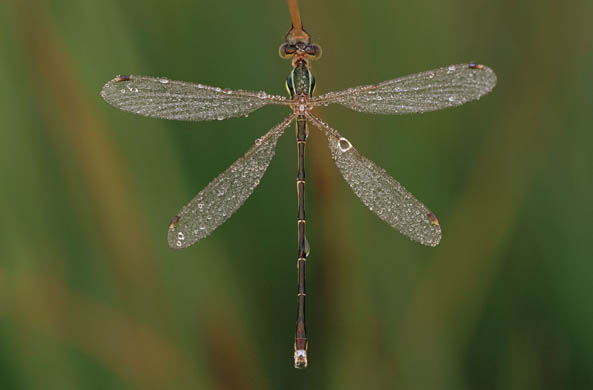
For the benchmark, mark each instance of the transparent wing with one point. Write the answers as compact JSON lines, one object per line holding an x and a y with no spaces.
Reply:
{"x":225,"y":194}
{"x":427,"y":91}
{"x":170,"y":99}
{"x":382,"y":194}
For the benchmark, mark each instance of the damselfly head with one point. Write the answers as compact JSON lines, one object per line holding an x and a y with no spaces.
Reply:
{"x":297,"y":45}
{"x":310,"y":51}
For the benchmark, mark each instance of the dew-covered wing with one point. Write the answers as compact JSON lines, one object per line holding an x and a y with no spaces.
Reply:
{"x":226,"y":193}
{"x":427,"y":91}
{"x":170,"y":99}
{"x":382,"y":194}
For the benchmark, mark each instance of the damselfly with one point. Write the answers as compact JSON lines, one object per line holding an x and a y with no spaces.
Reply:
{"x":428,"y":91}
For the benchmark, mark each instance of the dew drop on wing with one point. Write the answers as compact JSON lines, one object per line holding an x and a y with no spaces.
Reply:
{"x":344,"y":144}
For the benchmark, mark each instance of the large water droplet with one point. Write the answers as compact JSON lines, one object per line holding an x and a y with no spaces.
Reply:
{"x":344,"y":145}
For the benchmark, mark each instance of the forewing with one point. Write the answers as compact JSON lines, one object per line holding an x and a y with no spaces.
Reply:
{"x":226,"y":193}
{"x":427,"y":91}
{"x":170,"y":99}
{"x":382,"y":194}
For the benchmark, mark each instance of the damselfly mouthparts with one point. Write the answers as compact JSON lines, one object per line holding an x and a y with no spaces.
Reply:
{"x":427,"y":91}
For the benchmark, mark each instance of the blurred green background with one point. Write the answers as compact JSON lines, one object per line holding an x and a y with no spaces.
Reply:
{"x":91,"y":297}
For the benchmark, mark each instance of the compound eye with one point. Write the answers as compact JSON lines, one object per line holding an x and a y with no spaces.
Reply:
{"x":313,"y":51}
{"x":286,"y":50}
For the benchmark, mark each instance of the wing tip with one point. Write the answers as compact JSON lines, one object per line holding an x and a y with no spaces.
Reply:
{"x":175,"y":239}
{"x":489,"y":75}
{"x":105,"y":91}
{"x":175,"y":242}
{"x":435,"y":238}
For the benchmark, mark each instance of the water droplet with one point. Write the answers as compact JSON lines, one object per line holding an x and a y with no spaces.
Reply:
{"x":344,"y":145}
{"x":164,"y":81}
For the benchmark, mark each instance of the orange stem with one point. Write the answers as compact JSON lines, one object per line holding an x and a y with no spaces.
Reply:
{"x":297,"y":25}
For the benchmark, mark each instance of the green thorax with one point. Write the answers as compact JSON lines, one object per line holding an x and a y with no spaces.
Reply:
{"x":300,"y":81}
